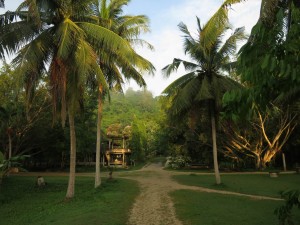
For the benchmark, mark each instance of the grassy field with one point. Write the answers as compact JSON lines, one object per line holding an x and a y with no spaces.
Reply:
{"x":215,"y":209}
{"x":22,"y":203}
{"x":256,"y":184}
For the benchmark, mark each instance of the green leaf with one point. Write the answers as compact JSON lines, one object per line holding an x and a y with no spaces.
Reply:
{"x":273,"y":64}
{"x":265,"y":62}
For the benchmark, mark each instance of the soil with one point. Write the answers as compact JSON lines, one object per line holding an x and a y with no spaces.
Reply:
{"x":154,"y":206}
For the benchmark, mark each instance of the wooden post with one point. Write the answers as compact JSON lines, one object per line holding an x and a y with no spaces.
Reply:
{"x":123,"y":157}
{"x":284,"y":163}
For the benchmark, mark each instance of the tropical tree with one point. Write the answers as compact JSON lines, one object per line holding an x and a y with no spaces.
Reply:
{"x":15,"y":125}
{"x":261,"y":138}
{"x":204,"y":84}
{"x":117,"y":65}
{"x":58,"y":38}
{"x":269,"y":67}
{"x":268,"y":63}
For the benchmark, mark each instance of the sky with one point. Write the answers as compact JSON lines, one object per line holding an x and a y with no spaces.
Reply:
{"x":165,"y":36}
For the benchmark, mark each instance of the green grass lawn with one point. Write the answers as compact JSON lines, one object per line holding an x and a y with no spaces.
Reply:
{"x":198,"y":208}
{"x":22,"y":203}
{"x":256,"y":184}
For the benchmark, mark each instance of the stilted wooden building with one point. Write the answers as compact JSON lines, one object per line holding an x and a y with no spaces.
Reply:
{"x":118,"y":153}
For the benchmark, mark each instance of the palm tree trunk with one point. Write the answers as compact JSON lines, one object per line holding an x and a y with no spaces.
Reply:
{"x":214,"y":140}
{"x":98,"y":144}
{"x":71,"y":184}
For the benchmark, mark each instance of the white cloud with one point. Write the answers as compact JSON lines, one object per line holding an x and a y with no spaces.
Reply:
{"x":245,"y":14}
{"x":167,"y":38}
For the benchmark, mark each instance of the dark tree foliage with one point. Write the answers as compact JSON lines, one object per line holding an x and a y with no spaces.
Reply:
{"x":269,"y":63}
{"x":284,"y":212}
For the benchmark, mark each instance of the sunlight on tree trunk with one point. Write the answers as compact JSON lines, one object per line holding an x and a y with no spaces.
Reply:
{"x":258,"y":162}
{"x":215,"y":151}
{"x":98,"y":144}
{"x":71,"y":184}
{"x":261,"y":142}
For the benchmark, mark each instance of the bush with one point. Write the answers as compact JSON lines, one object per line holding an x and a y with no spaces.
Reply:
{"x":178,"y":162}
{"x":292,"y":198}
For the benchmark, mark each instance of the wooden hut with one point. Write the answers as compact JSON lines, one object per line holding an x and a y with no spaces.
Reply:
{"x":118,"y":153}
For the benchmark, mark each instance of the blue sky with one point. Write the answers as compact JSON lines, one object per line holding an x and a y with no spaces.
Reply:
{"x":164,"y":17}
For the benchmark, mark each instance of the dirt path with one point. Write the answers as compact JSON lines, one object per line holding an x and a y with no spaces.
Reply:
{"x":154,"y":206}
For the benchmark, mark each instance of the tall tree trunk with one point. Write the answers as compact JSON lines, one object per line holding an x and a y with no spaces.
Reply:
{"x":214,"y":140}
{"x":98,"y":144}
{"x":258,"y":162}
{"x":268,"y":10}
{"x":71,"y":184}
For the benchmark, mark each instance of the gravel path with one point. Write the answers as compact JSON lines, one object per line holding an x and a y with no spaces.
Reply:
{"x":154,"y":206}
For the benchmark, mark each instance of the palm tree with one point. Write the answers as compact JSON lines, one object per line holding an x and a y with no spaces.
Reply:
{"x":117,"y":65}
{"x":204,"y":84}
{"x":58,"y":38}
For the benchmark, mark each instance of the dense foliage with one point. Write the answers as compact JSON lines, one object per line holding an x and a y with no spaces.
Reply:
{"x":186,"y":131}
{"x":138,"y":109}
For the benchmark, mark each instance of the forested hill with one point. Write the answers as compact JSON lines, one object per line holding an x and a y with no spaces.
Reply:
{"x":124,"y":108}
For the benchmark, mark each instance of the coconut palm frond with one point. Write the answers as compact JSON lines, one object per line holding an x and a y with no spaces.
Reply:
{"x":184,"y":29}
{"x":199,"y":25}
{"x":230,"y":46}
{"x":33,"y":11}
{"x":133,"y":26}
{"x":224,"y":84}
{"x":14,"y":36}
{"x":35,"y":55}
{"x":189,"y":41}
{"x":102,"y":37}
{"x":205,"y":90}
{"x":85,"y":60}
{"x":100,"y":76}
{"x":114,"y":77}
{"x":228,"y":66}
{"x":7,"y":18}
{"x":67,"y":35}
{"x":115,"y":7}
{"x":214,"y":28}
{"x":144,"y":65}
{"x":217,"y":24}
{"x":141,"y":43}
{"x":189,"y":66}
{"x":179,"y":84}
{"x":173,"y":67}
{"x":132,"y":73}
{"x":184,"y":97}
